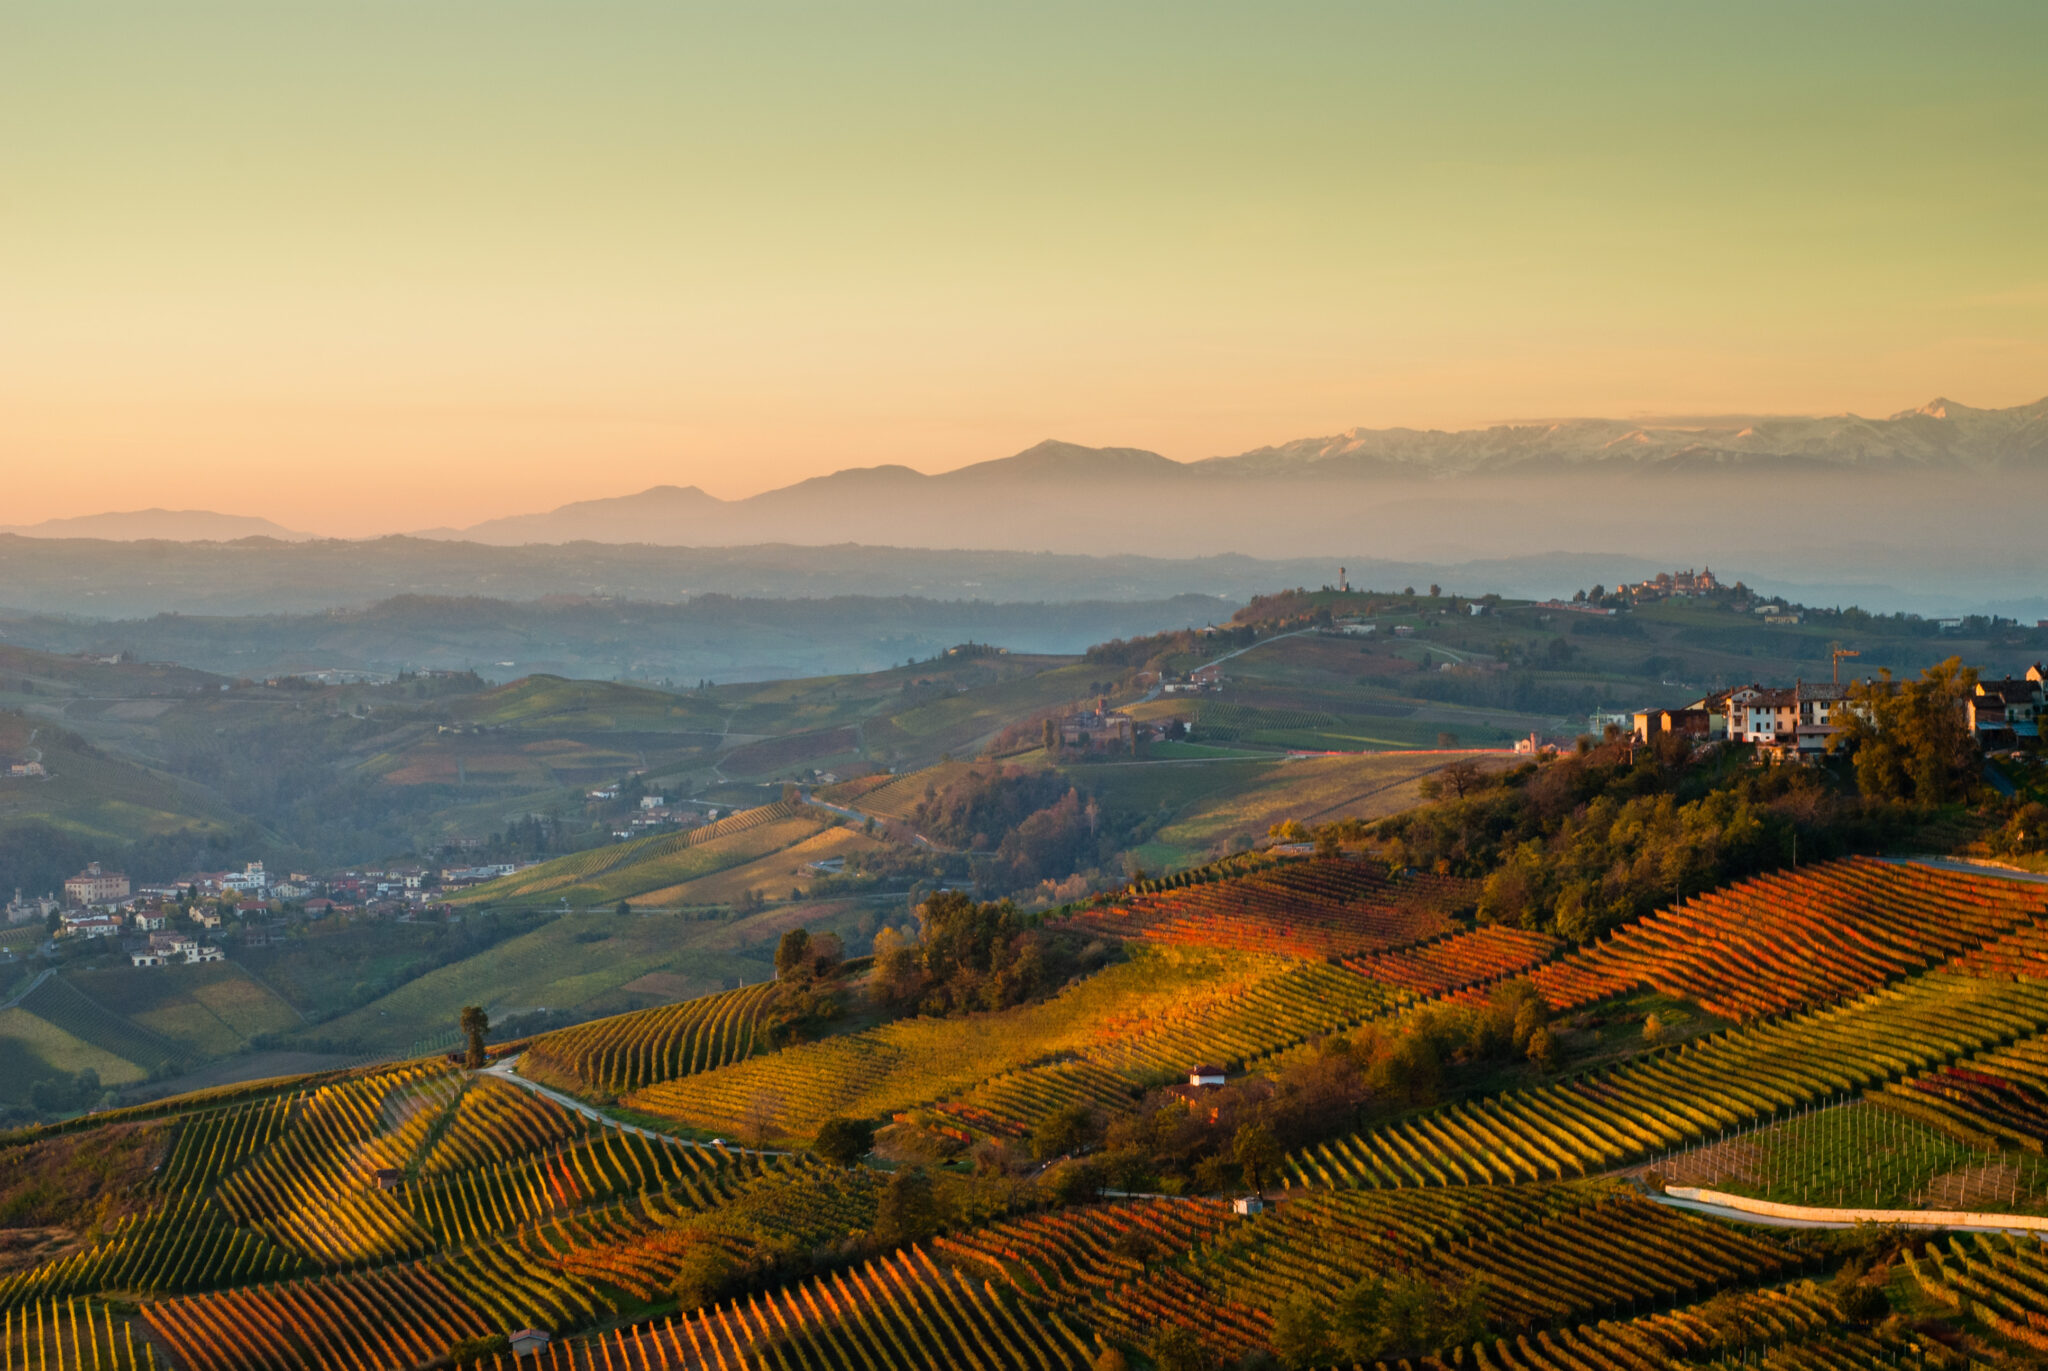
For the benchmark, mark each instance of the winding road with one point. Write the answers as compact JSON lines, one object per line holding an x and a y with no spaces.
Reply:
{"x":505,"y":1071}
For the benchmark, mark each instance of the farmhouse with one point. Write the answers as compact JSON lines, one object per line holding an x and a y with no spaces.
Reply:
{"x":1207,"y":1075}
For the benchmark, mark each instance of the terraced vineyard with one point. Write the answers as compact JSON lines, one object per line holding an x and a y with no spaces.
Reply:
{"x":411,"y":1215}
{"x":1473,"y":958}
{"x":1140,"y":1024}
{"x":2001,"y":1280}
{"x":620,"y":1054}
{"x":1789,"y":940}
{"x":1670,"y":1099}
{"x":1316,"y":908}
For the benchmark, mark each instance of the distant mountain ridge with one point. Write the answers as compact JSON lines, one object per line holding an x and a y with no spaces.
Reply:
{"x":897,"y":505}
{"x":170,"y":525}
{"x":1941,"y":437}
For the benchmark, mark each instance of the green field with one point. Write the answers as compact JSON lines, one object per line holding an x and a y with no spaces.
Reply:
{"x":581,"y":964}
{"x":209,"y":1009}
{"x":40,"y":1048}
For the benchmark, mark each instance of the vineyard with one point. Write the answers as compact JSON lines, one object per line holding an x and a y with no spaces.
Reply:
{"x":1787,"y":941}
{"x":1319,"y":908}
{"x":1672,"y":1099}
{"x":624,"y":1053}
{"x":1135,"y":1025}
{"x":413,"y":1215}
{"x":1474,"y":958}
{"x":895,"y":797}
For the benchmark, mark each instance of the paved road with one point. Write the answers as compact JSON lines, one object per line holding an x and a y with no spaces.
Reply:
{"x":506,"y":1071}
{"x":1970,"y":868}
{"x":1722,"y":1211}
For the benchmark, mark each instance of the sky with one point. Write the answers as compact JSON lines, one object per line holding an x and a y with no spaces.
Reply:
{"x":388,"y":265}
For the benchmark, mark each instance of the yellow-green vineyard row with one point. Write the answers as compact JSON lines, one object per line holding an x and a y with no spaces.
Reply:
{"x":628,"y":1051}
{"x":1681,"y":1096}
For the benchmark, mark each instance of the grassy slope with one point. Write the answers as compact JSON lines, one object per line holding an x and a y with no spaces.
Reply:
{"x":38,"y":1048}
{"x":94,"y":794}
{"x":580,"y":963}
{"x":774,"y":875}
{"x":210,"y":1009}
{"x":1220,"y":805}
{"x":616,"y":872}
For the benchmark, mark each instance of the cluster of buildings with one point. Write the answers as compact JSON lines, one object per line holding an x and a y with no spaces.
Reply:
{"x":1666,"y":585}
{"x":1796,"y":721}
{"x":1100,"y":727}
{"x":98,"y":903}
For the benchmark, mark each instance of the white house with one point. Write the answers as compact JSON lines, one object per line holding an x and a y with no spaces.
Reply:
{"x":1206,"y":1075}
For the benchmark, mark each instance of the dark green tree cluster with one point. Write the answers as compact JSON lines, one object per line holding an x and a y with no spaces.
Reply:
{"x":974,"y":955}
{"x":808,"y":986}
{"x":1023,"y":826}
{"x":1911,"y":740}
{"x":1582,"y":844}
{"x":1380,"y":1318}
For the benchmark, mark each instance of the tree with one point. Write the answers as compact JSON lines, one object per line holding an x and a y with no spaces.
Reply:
{"x":475,"y":1023}
{"x":792,"y":953}
{"x":1911,"y":740}
{"x":1176,"y":1348}
{"x":1301,"y":1335}
{"x":844,"y":1142}
{"x":1052,"y":736}
{"x":1060,"y":1132}
{"x":702,"y":1275}
{"x":1111,"y":1360}
{"x":896,"y":978}
{"x":1257,"y":1151}
{"x":908,"y":1211}
{"x":623,"y":909}
{"x":763,"y":1118}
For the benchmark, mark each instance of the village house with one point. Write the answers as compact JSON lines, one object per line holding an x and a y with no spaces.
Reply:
{"x":2004,"y":711}
{"x":250,"y":878}
{"x":149,"y":920}
{"x":94,"y":886}
{"x":91,"y":925}
{"x":206,"y":916}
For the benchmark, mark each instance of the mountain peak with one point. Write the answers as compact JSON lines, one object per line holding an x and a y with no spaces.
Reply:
{"x":1055,"y":457}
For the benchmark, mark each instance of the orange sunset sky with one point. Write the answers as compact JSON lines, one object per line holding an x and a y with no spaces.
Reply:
{"x":385,"y":266}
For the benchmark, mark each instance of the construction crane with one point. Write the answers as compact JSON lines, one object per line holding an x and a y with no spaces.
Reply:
{"x":1838,"y":652}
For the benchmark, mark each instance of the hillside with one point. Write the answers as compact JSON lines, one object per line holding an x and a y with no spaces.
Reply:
{"x":1516,"y":1199}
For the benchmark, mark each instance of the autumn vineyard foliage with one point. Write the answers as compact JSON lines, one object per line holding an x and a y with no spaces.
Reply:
{"x":412,"y":1214}
{"x":1315,"y":908}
